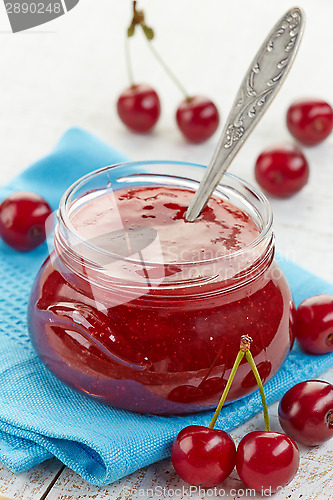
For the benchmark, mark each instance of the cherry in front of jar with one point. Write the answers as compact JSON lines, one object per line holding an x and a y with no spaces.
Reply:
{"x":197,"y":118}
{"x":139,"y":107}
{"x":202,"y":456}
{"x":282,"y":170}
{"x":22,"y":220}
{"x":306,"y":412}
{"x":310,"y":121}
{"x":314,"y":324}
{"x":267,"y":460}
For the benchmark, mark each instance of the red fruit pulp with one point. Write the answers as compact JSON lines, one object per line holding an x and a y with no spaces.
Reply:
{"x":282,"y":170}
{"x":197,"y":118}
{"x":306,"y":412}
{"x":170,"y":349}
{"x":310,"y":121}
{"x":22,"y":220}
{"x":203,"y":456}
{"x":314,"y":324}
{"x":267,"y":460}
{"x":139,"y":107}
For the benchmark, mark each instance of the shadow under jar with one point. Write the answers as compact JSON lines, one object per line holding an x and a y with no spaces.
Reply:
{"x":143,"y":311}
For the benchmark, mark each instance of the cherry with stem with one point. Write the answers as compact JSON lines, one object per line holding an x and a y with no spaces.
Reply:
{"x":204,"y":456}
{"x":138,"y":106}
{"x":197,"y":116}
{"x":266,"y":460}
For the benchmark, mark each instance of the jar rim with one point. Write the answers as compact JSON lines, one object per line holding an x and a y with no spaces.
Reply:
{"x":65,"y":201}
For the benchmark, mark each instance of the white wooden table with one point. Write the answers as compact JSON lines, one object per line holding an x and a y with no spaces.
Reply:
{"x":69,"y":72}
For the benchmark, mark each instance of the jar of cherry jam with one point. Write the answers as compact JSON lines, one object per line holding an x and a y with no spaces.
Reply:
{"x":143,"y":311}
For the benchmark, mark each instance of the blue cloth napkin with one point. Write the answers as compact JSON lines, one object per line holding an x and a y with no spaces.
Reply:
{"x":39,"y":416}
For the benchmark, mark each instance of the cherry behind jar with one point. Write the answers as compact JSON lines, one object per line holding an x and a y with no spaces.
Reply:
{"x":143,"y":311}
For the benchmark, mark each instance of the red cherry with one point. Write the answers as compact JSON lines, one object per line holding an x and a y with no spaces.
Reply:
{"x":198,"y":118}
{"x":314,"y":324}
{"x":306,"y":412}
{"x":22,"y":220}
{"x":139,"y":107}
{"x":282,"y":170}
{"x":267,"y":460}
{"x":310,"y":121}
{"x":202,"y":456}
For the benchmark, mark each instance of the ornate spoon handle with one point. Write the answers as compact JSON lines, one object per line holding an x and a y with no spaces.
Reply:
{"x":259,"y":87}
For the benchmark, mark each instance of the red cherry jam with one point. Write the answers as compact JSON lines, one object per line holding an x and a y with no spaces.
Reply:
{"x":144,"y":311}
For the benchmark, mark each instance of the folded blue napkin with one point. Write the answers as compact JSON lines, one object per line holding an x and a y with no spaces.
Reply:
{"x":39,"y":416}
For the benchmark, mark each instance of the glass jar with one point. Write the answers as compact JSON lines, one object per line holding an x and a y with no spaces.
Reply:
{"x":154,"y":337}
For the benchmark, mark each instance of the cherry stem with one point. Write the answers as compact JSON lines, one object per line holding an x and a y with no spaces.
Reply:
{"x":237,"y":362}
{"x":168,"y":70}
{"x":245,"y":344}
{"x":129,"y":62}
{"x":138,"y":19}
{"x":330,"y":419}
{"x":251,"y":362}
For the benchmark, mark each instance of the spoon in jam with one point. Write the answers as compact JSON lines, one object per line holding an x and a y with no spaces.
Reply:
{"x":261,"y":83}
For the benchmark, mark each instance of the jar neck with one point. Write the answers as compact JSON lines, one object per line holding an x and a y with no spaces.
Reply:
{"x":143,"y":269}
{"x":123,"y":275}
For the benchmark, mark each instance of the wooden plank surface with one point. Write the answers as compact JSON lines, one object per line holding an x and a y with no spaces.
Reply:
{"x":313,"y":481}
{"x":33,"y":484}
{"x":52,"y":481}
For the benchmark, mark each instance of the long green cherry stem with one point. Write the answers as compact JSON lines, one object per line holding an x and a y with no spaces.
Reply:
{"x":244,"y":351}
{"x":166,"y":68}
{"x":138,"y":19}
{"x":129,"y":62}
{"x":251,"y":362}
{"x":245,"y":343}
{"x":238,"y":360}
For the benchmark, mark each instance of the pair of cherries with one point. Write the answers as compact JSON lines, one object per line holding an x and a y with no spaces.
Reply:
{"x":283,"y":170}
{"x":139,"y":109}
{"x":139,"y":105}
{"x":264,"y":459}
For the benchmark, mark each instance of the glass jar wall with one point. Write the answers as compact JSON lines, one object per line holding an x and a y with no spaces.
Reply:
{"x":143,"y":311}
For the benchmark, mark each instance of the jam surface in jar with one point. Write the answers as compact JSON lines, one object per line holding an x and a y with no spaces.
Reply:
{"x":222,"y":228}
{"x":168,"y":346}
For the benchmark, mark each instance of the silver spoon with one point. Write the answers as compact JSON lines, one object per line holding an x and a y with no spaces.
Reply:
{"x":259,"y":87}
